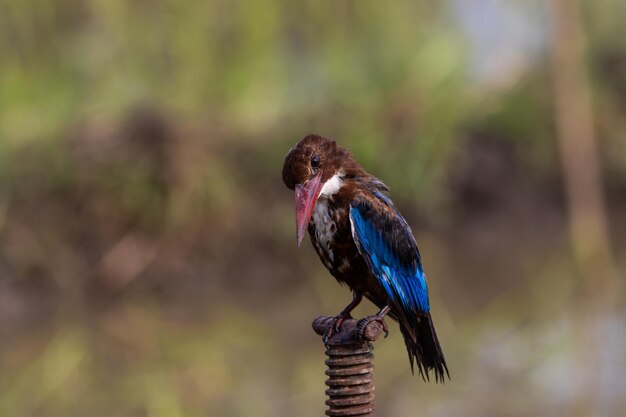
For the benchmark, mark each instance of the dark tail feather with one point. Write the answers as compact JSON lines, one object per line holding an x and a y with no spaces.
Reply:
{"x":425,"y":349}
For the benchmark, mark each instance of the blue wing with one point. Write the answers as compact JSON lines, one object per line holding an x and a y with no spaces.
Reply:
{"x":385,"y":240}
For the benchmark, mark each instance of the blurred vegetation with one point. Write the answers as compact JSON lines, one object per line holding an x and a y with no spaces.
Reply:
{"x":147,"y":257}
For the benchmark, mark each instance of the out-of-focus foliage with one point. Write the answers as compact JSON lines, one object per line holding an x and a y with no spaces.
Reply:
{"x":147,"y":256}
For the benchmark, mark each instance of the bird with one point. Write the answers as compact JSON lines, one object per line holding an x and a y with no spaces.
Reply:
{"x":365,"y":243}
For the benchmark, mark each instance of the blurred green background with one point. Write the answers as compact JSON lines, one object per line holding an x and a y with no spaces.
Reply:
{"x":148,"y":264}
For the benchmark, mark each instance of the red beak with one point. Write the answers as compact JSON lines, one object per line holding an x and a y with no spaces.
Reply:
{"x":306,"y":197}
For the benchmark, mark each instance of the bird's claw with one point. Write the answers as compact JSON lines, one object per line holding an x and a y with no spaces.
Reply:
{"x":370,"y":319}
{"x":334,"y":327}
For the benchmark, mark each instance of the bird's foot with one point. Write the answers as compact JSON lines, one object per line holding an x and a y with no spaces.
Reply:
{"x":378,"y":318}
{"x":335,"y":327}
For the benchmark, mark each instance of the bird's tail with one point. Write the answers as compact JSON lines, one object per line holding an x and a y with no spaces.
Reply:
{"x":423,"y":347}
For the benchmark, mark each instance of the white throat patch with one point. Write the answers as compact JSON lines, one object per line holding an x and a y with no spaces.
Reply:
{"x":332,"y":185}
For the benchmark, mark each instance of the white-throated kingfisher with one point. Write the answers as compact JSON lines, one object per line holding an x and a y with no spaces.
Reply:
{"x":364,"y":242}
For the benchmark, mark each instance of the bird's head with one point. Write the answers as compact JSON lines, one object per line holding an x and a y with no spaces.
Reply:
{"x":313,"y":167}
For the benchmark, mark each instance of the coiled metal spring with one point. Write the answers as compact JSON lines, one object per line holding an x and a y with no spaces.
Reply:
{"x":349,"y":366}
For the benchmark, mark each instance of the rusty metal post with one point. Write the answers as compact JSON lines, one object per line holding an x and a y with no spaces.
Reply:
{"x":350,"y":370}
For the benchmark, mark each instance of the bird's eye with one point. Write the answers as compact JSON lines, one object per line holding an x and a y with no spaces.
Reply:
{"x":315,"y":162}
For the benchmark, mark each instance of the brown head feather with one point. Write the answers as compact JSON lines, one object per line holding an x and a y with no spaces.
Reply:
{"x":298,"y":167}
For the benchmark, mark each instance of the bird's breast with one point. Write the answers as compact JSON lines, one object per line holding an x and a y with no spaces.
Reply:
{"x":325,"y":226}
{"x":331,"y":235}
